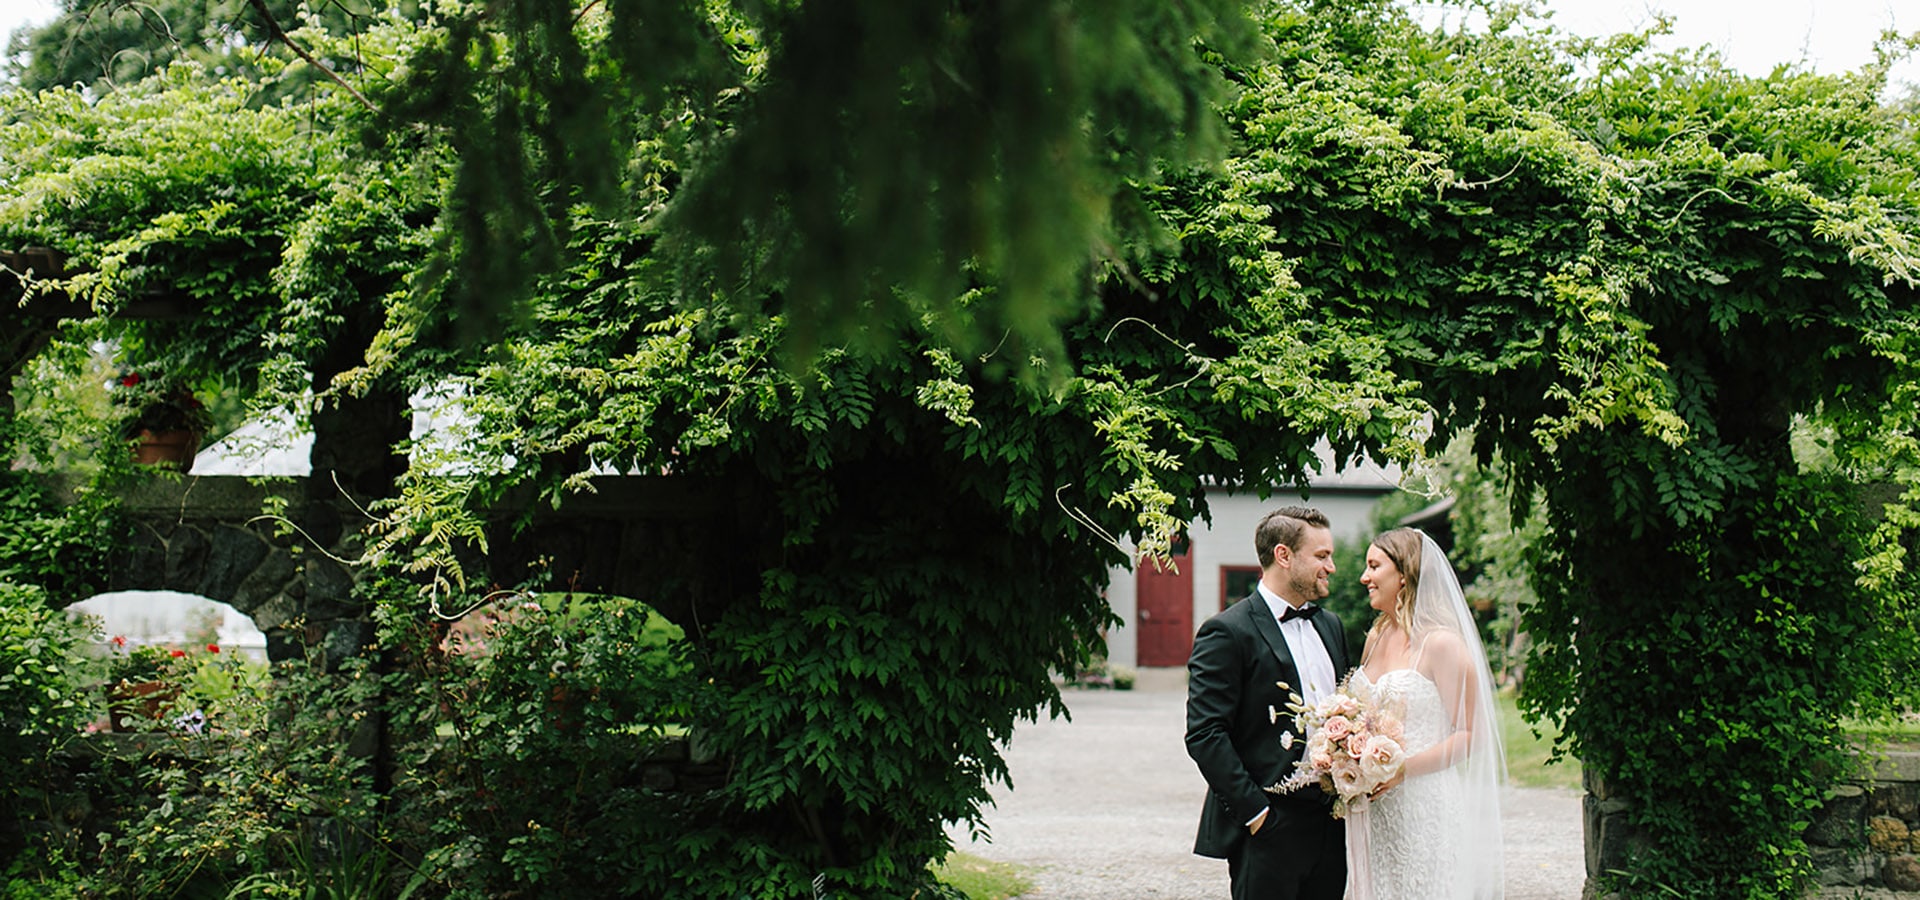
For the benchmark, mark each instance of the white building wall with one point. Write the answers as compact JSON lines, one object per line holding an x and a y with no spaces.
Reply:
{"x":1228,"y":541}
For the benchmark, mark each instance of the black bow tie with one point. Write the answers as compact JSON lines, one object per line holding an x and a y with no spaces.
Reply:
{"x":1298,"y":612}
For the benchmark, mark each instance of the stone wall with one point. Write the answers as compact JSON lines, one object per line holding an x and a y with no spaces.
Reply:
{"x":671,"y":542}
{"x":1868,"y":834}
{"x":1866,"y":837}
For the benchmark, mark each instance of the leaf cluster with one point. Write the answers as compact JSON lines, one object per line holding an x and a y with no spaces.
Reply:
{"x":851,"y":168}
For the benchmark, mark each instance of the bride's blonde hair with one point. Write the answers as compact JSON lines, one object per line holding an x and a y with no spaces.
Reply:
{"x":1402,"y":547}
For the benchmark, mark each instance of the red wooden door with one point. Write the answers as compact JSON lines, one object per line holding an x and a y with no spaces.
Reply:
{"x":1165,"y":600}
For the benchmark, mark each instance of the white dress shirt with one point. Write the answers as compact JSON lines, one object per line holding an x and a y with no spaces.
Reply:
{"x":1310,"y":657}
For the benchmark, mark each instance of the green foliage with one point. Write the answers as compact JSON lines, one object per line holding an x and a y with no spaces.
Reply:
{"x":104,"y":45}
{"x":1627,"y":286}
{"x":215,"y":804}
{"x":61,"y":410}
{"x":41,"y":652}
{"x":279,"y":239}
{"x":528,"y":762}
{"x":534,"y":755}
{"x":901,"y":507}
{"x":1751,"y":675}
{"x":855,"y":168}
{"x":1492,"y":534}
{"x":353,"y":868}
{"x":154,"y":401}
{"x":33,"y":875}
{"x":59,"y":547}
{"x":1530,"y":746}
{"x":43,"y":684}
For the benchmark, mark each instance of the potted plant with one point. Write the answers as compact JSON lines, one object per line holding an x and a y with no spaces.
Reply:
{"x":140,"y":686}
{"x":162,"y":416}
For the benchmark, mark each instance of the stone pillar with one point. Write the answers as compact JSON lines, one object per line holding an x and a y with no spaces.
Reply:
{"x":354,"y":464}
{"x":1609,"y":835}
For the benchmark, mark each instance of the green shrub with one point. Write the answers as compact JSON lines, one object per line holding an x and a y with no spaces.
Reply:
{"x":44,"y":678}
{"x":527,"y":769}
{"x":42,"y":672}
{"x":271,"y":775}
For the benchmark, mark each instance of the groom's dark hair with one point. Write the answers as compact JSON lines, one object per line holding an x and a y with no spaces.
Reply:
{"x":1285,"y":526}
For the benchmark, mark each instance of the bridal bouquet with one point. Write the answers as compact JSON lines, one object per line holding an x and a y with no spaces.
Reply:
{"x":1353,"y":746}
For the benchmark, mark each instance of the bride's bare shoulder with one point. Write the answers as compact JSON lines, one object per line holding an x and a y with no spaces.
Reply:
{"x":1443,"y":648}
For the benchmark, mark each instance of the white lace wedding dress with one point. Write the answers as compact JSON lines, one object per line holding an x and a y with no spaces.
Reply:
{"x":1410,"y":830}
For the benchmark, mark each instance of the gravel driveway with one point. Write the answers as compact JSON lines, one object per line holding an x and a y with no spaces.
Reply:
{"x":1105,"y":806}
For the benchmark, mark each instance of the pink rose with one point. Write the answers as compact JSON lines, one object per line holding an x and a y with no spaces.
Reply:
{"x":1337,"y":728}
{"x":1382,"y":759}
{"x":1347,"y":778}
{"x":1319,"y":750}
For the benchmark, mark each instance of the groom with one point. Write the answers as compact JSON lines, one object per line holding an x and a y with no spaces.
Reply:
{"x":1287,"y":846}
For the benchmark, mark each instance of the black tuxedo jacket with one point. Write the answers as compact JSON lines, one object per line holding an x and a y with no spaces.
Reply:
{"x":1239,"y":660}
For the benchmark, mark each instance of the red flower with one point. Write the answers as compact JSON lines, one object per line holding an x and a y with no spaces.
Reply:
{"x":213,"y":648}
{"x":130,"y":379}
{"x":119,"y":641}
{"x":176,"y":653}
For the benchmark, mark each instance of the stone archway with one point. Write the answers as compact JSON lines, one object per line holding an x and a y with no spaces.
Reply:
{"x":664,"y":540}
{"x":174,"y":618}
{"x":205,"y":536}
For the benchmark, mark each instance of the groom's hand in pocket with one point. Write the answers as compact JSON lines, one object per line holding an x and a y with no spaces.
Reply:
{"x":1253,"y":827}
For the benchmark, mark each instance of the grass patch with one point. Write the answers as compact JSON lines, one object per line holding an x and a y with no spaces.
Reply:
{"x":982,"y":879}
{"x":1902,"y":729}
{"x":1527,"y":753}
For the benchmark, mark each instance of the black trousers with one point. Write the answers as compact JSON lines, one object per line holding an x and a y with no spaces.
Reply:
{"x":1298,"y":856}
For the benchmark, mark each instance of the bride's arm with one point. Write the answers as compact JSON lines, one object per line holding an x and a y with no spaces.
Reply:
{"x":1445,"y":661}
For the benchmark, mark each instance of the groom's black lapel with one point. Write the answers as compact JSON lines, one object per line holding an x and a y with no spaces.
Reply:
{"x":1269,"y":629}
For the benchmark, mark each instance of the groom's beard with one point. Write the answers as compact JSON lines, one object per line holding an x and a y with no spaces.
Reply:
{"x":1309,"y":587}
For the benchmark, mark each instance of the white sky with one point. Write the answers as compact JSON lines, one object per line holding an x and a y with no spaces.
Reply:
{"x":1753,"y":35}
{"x":15,"y":13}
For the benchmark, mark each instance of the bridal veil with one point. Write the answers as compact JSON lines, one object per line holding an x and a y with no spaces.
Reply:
{"x":1440,"y":612}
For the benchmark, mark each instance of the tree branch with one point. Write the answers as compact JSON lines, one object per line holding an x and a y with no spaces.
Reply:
{"x":280,"y":34}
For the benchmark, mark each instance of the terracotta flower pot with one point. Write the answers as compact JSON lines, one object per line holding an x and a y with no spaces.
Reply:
{"x":130,"y":701}
{"x":173,"y":449}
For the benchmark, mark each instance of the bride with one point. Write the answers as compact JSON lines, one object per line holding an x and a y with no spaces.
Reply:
{"x":1434,"y":830}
